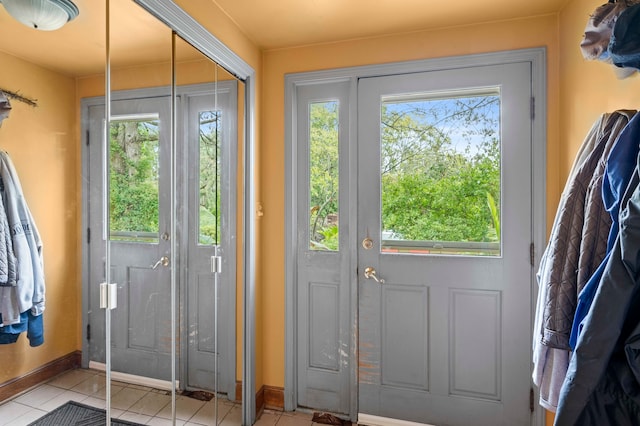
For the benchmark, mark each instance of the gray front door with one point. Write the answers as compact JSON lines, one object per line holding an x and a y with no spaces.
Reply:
{"x":138,"y":232}
{"x":322,"y":241}
{"x":208,"y":214}
{"x":444,"y":234}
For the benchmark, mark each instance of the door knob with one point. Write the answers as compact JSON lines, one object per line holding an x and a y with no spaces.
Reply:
{"x":367,"y":243}
{"x":164,"y":261}
{"x":370,"y":274}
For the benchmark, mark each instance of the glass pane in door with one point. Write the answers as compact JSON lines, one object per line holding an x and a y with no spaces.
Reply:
{"x":323,"y":175}
{"x":210,"y":135}
{"x":134,"y":179}
{"x":440,"y":173}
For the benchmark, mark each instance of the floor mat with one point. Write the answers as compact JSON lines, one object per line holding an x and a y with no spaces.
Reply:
{"x":329,"y":419}
{"x":75,"y":414}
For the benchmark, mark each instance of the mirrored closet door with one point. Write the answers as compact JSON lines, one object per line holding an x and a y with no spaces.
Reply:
{"x":134,"y":152}
{"x":162,"y":161}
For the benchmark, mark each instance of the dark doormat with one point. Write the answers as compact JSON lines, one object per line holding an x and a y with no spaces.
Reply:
{"x":329,"y":419}
{"x":75,"y":414}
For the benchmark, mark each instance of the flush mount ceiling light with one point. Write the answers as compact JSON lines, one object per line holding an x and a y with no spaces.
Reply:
{"x":46,"y":15}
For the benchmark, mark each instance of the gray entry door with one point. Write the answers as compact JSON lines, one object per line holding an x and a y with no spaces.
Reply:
{"x":140,"y":228}
{"x":210,"y":127}
{"x":444,"y":228}
{"x":322,"y":234}
{"x":138,"y":231}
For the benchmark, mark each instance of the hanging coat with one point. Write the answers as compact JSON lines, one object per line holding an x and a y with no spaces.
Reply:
{"x":620,"y":168}
{"x":577,"y":243}
{"x":29,"y":292}
{"x":602,"y":385}
{"x":8,"y":267}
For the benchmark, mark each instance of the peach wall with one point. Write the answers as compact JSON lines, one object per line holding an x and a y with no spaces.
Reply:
{"x":146,"y":76}
{"x":587,"y":88}
{"x":42,"y":143}
{"x":214,"y":19}
{"x":517,"y":34}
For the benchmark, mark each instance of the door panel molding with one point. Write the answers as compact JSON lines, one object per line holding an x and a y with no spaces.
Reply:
{"x":535,"y":57}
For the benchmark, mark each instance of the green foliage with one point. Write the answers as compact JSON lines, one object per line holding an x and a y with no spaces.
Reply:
{"x":134,"y":177}
{"x":440,"y":170}
{"x":208,"y":227}
{"x":440,"y":161}
{"x":495,"y":216}
{"x":324,"y":175}
{"x":210,"y":168}
{"x":330,"y":237}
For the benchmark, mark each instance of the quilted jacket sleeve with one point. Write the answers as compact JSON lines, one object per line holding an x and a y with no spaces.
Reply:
{"x":563,"y":251}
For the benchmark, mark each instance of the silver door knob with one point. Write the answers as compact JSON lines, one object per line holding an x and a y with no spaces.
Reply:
{"x":370,"y":274}
{"x":164,"y":261}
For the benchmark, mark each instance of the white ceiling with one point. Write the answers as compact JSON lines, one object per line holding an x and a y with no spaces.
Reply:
{"x":78,"y":48}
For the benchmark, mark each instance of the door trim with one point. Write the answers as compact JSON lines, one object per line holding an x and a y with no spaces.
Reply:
{"x":537,"y":59}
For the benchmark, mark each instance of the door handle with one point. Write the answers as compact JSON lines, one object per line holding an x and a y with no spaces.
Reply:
{"x":370,"y":274}
{"x":164,"y":261}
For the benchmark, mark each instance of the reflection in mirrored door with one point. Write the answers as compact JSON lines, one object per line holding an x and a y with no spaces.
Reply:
{"x":207,"y":168}
{"x":162,"y":208}
{"x":133,"y":317}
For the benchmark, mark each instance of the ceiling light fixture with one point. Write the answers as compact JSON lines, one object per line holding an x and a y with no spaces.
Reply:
{"x":46,"y":15}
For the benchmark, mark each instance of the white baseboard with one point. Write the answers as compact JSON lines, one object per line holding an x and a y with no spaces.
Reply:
{"x":369,"y":420}
{"x":133,"y":379}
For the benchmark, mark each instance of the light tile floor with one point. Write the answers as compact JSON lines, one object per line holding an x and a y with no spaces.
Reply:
{"x":131,"y":402}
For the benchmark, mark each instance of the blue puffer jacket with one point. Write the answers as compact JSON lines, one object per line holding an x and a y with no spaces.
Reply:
{"x":602,"y":385}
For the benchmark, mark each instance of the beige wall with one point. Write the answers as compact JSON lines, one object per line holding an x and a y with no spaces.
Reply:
{"x":42,"y":142}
